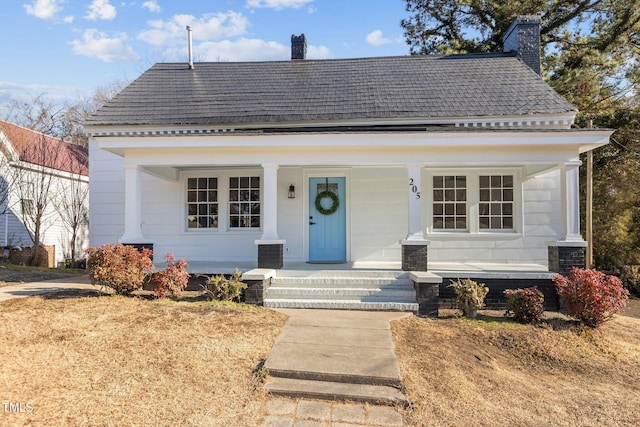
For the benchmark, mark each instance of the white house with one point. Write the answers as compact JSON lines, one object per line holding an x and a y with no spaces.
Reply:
{"x":45,"y":177}
{"x":450,"y":164}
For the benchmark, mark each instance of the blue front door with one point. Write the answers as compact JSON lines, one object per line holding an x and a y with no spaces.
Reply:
{"x":327,"y":220}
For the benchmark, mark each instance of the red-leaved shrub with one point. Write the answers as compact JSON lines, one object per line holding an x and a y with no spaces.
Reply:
{"x":590,"y":295}
{"x":526,"y":305}
{"x":120,"y":267}
{"x":172,"y":280}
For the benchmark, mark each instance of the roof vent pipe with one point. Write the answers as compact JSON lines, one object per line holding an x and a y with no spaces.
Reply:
{"x":190,"y":48}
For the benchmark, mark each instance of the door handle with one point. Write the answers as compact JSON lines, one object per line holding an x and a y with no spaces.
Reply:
{"x":312,"y":223}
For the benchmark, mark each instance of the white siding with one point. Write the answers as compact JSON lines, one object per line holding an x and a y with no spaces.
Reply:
{"x":106,"y":195}
{"x":377,"y":209}
{"x":540,"y":213}
{"x":379,"y":213}
{"x":164,"y":222}
{"x":291,"y":213}
{"x":376,"y":184}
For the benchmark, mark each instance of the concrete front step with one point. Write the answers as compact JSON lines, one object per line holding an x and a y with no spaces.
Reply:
{"x":390,"y":274}
{"x":338,"y":304}
{"x":300,"y":388}
{"x":352,"y":282}
{"x":343,"y":290}
{"x":394,"y":294}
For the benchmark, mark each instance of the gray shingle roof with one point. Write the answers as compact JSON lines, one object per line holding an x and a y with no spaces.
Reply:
{"x":387,"y":88}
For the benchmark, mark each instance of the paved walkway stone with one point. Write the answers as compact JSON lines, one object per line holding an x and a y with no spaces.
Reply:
{"x":311,"y":409}
{"x":349,"y":413}
{"x":283,"y":411}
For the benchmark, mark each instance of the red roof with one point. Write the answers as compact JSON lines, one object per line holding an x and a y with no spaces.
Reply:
{"x":40,"y":149}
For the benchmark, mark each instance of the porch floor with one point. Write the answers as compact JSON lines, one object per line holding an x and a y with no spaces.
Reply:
{"x":443,"y":269}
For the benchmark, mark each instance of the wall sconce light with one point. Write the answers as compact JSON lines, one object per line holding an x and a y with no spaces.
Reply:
{"x":292,"y":191}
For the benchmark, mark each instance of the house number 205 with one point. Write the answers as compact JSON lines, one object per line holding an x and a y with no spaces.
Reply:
{"x":414,"y":188}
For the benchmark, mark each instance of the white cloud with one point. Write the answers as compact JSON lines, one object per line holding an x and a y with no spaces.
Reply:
{"x":25,"y":89}
{"x":26,"y":92}
{"x":318,"y":52}
{"x":68,"y":19}
{"x":43,"y":9}
{"x":95,"y":44}
{"x":375,"y":38}
{"x":278,"y":4}
{"x":243,"y":49}
{"x":101,"y":9}
{"x":152,"y":6}
{"x":208,"y":27}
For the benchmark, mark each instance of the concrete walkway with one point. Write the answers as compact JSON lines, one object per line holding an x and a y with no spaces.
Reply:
{"x":285,"y":412}
{"x":340,"y":356}
{"x":23,"y":290}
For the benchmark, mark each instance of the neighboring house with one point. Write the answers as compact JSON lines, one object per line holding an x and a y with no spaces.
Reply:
{"x":469,"y":159}
{"x":39,"y":170}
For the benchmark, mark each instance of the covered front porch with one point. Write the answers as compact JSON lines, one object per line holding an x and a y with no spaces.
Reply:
{"x":391,"y":213}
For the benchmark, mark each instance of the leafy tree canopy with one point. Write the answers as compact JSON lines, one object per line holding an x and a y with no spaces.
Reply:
{"x":590,"y":47}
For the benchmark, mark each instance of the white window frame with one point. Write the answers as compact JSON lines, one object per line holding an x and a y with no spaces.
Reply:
{"x":27,"y":203}
{"x":188,"y":202}
{"x":502,"y":202}
{"x":446,"y":202}
{"x":223,"y":176}
{"x":246,"y":202}
{"x":473,"y":199}
{"x":26,"y":206}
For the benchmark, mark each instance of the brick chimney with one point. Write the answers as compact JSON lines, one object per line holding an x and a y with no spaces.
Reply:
{"x":523,"y":39}
{"x":298,"y":46}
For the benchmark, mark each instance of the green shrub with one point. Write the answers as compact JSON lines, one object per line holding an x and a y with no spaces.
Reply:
{"x":172,"y":280}
{"x":630,"y":276}
{"x":526,"y":305}
{"x":120,"y":267}
{"x":221,"y":288}
{"x":470,"y":295}
{"x":591,"y":296}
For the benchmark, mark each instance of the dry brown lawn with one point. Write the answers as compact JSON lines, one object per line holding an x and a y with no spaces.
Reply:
{"x":115,"y":361}
{"x":492,"y":372}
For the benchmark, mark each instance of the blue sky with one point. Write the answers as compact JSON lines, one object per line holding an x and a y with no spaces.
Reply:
{"x":67,"y":49}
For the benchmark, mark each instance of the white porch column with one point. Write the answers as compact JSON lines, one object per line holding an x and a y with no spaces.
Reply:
{"x":415,"y":202}
{"x":570,"y":182}
{"x":270,"y":203}
{"x":414,"y":247}
{"x":132,"y":206}
{"x":569,"y":251}
{"x":270,"y":247}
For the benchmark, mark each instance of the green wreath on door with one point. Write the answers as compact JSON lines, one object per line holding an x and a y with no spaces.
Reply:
{"x":335,"y":202}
